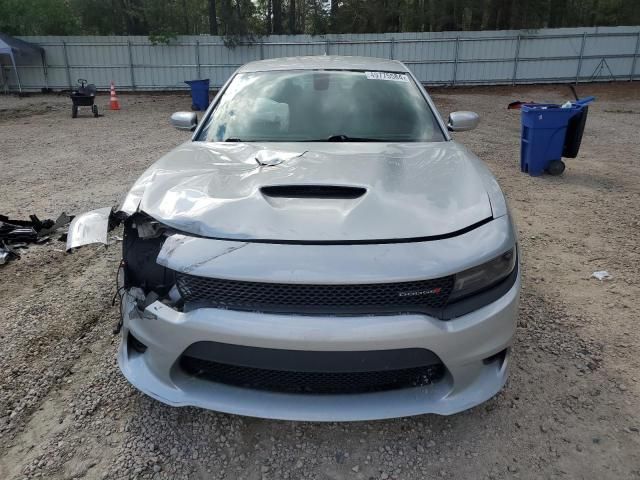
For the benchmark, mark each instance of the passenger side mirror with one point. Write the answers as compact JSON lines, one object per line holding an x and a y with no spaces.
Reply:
{"x":462,"y":121}
{"x":184,"y":120}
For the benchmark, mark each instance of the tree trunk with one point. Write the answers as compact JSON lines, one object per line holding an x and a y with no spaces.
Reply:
{"x":185,"y":14}
{"x":333,"y":16}
{"x":493,"y":15}
{"x":431,"y":16}
{"x":506,"y":15}
{"x":557,"y":13}
{"x":292,"y":16}
{"x":134,"y":17}
{"x":213,"y":18}
{"x":267,"y":19}
{"x":518,"y":14}
{"x":593,"y":18}
{"x":277,"y":17}
{"x":225,"y":16}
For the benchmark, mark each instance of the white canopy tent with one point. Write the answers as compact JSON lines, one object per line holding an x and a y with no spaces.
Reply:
{"x":16,"y":48}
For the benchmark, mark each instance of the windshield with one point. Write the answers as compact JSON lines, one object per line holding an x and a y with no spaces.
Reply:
{"x":307,"y":106}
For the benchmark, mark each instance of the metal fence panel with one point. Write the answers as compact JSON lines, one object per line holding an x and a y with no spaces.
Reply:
{"x":540,"y":47}
{"x":533,"y":71}
{"x":436,"y":58}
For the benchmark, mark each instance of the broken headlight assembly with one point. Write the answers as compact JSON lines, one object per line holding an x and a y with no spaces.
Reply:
{"x":477,"y":279}
{"x":141,"y":244}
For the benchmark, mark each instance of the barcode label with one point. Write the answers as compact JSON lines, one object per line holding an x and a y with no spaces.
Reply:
{"x":396,"y":77}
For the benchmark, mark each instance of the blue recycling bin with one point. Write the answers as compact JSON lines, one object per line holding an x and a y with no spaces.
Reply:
{"x":199,"y":94}
{"x":550,"y":132}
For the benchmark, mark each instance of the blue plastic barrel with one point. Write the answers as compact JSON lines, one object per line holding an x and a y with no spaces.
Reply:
{"x":544,"y":128}
{"x":199,"y":94}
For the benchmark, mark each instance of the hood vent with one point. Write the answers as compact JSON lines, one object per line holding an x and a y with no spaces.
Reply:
{"x":313,"y":191}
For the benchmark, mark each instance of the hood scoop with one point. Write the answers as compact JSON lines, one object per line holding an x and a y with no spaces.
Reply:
{"x":313,"y":191}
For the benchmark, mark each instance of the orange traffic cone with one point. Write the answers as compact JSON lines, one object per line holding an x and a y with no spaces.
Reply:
{"x":114,"y":104}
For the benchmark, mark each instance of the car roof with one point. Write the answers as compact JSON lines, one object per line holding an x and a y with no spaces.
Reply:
{"x":324,"y":62}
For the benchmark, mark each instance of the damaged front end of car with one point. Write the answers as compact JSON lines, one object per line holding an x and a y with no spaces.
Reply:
{"x":139,"y":276}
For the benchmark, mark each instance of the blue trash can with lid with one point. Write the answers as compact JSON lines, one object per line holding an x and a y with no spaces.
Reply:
{"x":199,"y":93}
{"x":550,"y":132}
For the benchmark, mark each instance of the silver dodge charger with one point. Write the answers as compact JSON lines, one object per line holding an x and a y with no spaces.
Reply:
{"x":320,"y":249}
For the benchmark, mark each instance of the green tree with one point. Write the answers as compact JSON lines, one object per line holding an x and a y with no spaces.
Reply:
{"x":38,"y":17}
{"x":237,"y":19}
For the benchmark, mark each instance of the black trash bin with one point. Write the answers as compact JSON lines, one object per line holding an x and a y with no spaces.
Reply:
{"x":84,"y":96}
{"x":573,"y":138}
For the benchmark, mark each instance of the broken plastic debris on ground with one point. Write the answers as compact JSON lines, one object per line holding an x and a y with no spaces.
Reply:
{"x":19,"y":234}
{"x":601,"y":275}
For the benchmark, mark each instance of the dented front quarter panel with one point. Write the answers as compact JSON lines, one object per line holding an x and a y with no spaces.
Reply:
{"x":89,"y":227}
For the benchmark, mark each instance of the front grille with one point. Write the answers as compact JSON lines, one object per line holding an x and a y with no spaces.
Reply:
{"x":402,"y":297}
{"x":311,"y":382}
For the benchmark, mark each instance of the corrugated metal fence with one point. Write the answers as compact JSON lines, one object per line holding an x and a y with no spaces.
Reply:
{"x":437,"y":58}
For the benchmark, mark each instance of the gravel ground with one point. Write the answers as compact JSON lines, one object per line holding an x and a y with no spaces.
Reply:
{"x":571,"y":408}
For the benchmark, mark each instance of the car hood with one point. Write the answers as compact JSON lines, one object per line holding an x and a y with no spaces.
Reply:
{"x":376,"y":191}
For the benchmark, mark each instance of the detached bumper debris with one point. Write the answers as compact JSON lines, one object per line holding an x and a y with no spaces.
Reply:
{"x":92,"y":227}
{"x":17,"y":234}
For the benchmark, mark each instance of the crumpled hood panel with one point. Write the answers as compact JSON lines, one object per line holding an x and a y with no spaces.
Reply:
{"x":412,"y":190}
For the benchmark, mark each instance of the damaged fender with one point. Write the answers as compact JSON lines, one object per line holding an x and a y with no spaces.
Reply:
{"x":90,"y":227}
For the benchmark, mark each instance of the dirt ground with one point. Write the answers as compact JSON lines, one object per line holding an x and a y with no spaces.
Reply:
{"x":571,"y":408}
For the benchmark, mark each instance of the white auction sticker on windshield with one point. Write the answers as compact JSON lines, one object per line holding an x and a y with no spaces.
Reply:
{"x":396,"y":77}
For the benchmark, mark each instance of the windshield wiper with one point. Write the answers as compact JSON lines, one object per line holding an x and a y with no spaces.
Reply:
{"x":346,"y":138}
{"x":332,"y":138}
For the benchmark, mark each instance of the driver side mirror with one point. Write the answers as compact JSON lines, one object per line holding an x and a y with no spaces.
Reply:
{"x":462,"y":121}
{"x":184,"y":120}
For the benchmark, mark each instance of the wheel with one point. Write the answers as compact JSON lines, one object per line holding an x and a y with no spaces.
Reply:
{"x":74,"y":111}
{"x":94,"y":109}
{"x":556,"y":167}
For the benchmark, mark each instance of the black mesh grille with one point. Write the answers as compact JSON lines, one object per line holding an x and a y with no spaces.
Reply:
{"x":419,"y":296}
{"x":311,"y":382}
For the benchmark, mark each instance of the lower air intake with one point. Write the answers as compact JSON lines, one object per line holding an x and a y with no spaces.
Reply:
{"x":311,"y":382}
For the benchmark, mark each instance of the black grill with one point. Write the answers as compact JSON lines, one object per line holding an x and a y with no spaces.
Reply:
{"x":420,"y":296}
{"x":311,"y":382}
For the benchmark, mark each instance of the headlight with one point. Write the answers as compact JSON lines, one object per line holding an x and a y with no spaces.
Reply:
{"x":483,"y":276}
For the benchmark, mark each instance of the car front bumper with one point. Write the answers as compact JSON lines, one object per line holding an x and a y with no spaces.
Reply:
{"x":463,"y":344}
